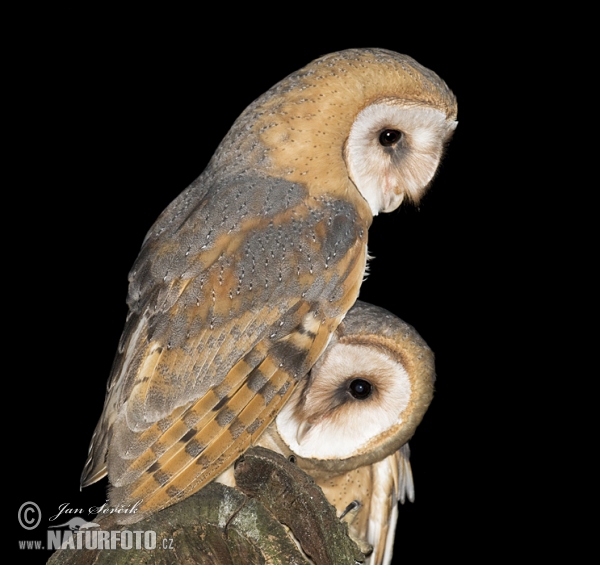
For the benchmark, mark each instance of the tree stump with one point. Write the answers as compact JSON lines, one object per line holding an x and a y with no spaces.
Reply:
{"x":276,"y":515}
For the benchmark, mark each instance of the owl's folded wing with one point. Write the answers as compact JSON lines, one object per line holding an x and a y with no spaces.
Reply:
{"x":217,"y":338}
{"x":392,"y":483}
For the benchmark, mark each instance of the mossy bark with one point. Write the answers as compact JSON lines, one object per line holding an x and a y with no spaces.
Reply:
{"x":275,"y":505}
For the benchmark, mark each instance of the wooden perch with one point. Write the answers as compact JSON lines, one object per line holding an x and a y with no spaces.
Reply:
{"x":275,"y":505}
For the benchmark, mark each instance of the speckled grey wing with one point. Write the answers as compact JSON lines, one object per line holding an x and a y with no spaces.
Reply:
{"x":233,"y":297}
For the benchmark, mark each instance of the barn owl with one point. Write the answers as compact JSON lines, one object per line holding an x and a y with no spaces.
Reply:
{"x":242,"y":280}
{"x":348,"y":423}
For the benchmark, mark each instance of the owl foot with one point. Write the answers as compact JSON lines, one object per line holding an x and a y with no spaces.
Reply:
{"x":348,"y":516}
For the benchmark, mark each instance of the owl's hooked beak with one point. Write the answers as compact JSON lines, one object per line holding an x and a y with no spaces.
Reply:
{"x":303,"y":429}
{"x":391,"y":200}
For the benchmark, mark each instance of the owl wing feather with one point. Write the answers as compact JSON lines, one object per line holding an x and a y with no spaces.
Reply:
{"x":392,"y":483}
{"x":405,"y":484}
{"x":224,"y":320}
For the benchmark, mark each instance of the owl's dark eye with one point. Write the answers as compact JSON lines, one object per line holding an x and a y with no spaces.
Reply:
{"x":389,"y":137}
{"x":360,"y":389}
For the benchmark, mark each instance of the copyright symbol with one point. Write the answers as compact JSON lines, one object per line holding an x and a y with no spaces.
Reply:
{"x":29,"y":515}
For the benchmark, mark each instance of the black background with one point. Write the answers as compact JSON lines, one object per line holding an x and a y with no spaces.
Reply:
{"x":114,"y":119}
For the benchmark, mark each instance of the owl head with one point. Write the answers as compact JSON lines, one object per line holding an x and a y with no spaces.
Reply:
{"x":365,"y":396}
{"x":369,"y":120}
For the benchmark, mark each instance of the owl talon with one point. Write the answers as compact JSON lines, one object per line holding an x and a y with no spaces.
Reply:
{"x":351,"y":509}
{"x":348,"y":516}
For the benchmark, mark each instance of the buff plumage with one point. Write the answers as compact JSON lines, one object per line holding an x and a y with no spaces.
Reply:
{"x":244,"y":278}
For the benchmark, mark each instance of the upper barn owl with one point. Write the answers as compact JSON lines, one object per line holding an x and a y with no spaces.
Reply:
{"x":348,"y":423}
{"x":242,"y":280}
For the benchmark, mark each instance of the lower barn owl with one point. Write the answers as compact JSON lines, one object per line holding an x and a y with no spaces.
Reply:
{"x":348,"y":423}
{"x":242,"y":280}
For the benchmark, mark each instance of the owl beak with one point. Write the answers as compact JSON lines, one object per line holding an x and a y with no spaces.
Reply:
{"x":303,"y":429}
{"x":391,"y":200}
